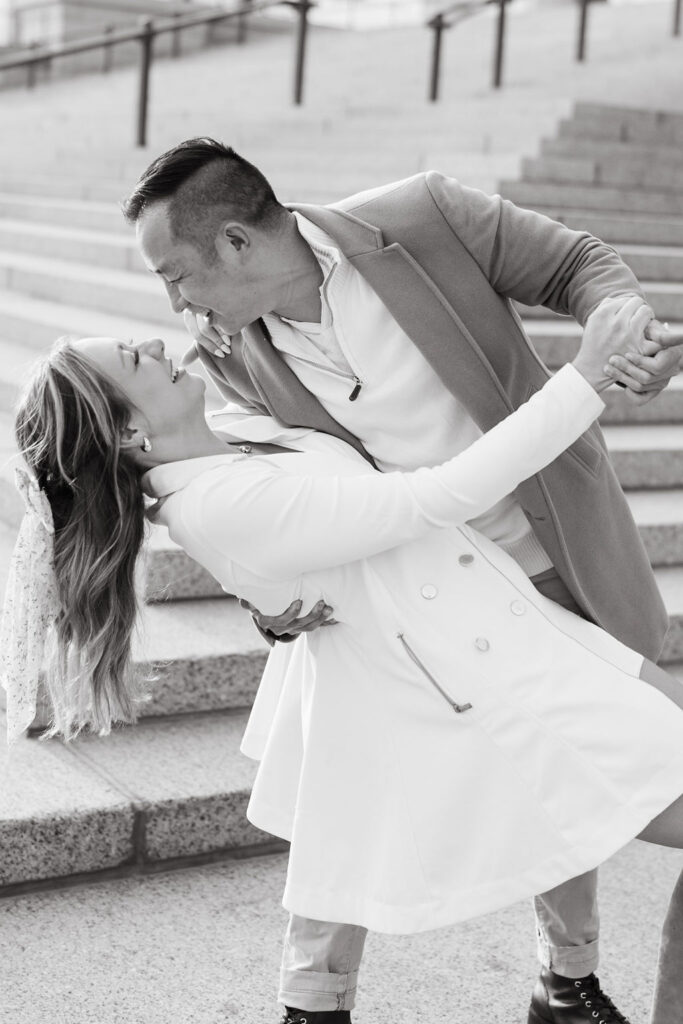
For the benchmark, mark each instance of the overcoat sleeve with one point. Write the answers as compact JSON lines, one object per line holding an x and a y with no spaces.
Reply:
{"x":279,"y":523}
{"x":529,"y":257}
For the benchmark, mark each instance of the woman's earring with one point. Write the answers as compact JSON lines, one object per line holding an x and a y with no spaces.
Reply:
{"x":146,"y":444}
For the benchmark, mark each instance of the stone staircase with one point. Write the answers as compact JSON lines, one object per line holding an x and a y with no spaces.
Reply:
{"x":173,"y":790}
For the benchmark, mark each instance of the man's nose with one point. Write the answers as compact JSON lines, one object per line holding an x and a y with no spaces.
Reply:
{"x":174,"y":297}
{"x":153,"y":347}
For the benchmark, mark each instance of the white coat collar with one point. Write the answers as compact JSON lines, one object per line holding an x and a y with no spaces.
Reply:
{"x":173,"y":476}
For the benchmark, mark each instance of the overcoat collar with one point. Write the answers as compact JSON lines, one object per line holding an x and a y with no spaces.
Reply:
{"x":420,"y":306}
{"x":417,"y":304}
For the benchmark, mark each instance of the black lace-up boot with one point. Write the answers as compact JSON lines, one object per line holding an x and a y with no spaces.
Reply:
{"x":558,"y":1000}
{"x":293,"y":1016}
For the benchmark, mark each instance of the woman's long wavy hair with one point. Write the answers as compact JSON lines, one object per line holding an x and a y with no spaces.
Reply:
{"x":69,"y":426}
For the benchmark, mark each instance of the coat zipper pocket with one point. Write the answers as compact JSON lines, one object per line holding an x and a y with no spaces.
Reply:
{"x":458,"y":708}
{"x":358,"y":383}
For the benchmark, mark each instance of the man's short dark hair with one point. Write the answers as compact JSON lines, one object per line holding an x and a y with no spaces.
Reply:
{"x":204,"y":182}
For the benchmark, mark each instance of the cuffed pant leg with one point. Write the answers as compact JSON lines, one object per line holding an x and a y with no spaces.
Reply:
{"x":568,"y":923}
{"x":320,"y":964}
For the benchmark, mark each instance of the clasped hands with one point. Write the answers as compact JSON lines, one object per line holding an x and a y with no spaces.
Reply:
{"x":652,"y":356}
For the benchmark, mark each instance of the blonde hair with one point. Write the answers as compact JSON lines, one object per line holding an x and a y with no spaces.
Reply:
{"x":68,"y":427}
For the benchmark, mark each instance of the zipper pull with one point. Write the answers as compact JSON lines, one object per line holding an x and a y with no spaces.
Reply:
{"x":356,"y":391}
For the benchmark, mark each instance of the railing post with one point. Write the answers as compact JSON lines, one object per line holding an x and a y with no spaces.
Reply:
{"x":500,"y":46}
{"x":175,"y":44}
{"x":583,"y":25}
{"x":107,"y":51}
{"x":438,"y":23}
{"x":31,"y":69}
{"x":146,"y":43}
{"x":303,"y":7}
{"x":677,"y":18}
{"x":242,"y":23}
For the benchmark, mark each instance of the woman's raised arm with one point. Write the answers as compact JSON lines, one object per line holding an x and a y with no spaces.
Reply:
{"x":280,"y":524}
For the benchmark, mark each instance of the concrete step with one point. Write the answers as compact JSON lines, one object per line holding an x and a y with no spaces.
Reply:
{"x":610,"y":152}
{"x":608,"y":113}
{"x":640,"y":127}
{"x":670,"y":583}
{"x":100,"y":189}
{"x":659,"y":515}
{"x":654,"y":262}
{"x":646,"y":456}
{"x":34,"y":323}
{"x":204,"y":655}
{"x":157,"y":793}
{"x":593,"y":197}
{"x":86,"y":286}
{"x":665,"y":297}
{"x":651,"y":177}
{"x":94,"y":247}
{"x":171,"y":575}
{"x":617,"y":228}
{"x":71,"y":213}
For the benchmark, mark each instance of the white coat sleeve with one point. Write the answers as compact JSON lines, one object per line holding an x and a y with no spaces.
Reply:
{"x":279,"y":524}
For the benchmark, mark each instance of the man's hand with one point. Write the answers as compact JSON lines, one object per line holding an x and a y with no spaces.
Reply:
{"x":287,"y":626}
{"x":208,"y":333}
{"x":655,"y":359}
{"x":647,"y":370}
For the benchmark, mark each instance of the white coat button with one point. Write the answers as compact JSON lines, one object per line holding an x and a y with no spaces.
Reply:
{"x":481,"y":643}
{"x":429,"y":591}
{"x":466,"y":559}
{"x":518,"y":607}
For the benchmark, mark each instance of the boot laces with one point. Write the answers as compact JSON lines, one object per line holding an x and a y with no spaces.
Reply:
{"x":599,"y":1005}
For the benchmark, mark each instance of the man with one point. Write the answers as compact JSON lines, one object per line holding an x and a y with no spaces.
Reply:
{"x":386,"y":320}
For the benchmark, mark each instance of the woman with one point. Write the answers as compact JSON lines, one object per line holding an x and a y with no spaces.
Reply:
{"x":410,"y":751}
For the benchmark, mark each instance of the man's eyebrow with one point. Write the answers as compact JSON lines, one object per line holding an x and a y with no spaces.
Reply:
{"x":121,"y":350}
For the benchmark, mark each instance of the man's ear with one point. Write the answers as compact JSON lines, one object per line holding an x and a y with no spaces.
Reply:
{"x":232,"y":237}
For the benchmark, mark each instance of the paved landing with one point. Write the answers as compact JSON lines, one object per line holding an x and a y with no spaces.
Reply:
{"x":203,"y":947}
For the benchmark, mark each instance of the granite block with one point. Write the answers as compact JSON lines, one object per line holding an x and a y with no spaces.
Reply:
{"x":171,"y":575}
{"x":664,"y":543}
{"x":666,"y":408}
{"x":187,"y":777}
{"x":673,"y":645}
{"x":205,"y":683}
{"x":205,"y":655}
{"x":57,"y":816}
{"x":648,"y":469}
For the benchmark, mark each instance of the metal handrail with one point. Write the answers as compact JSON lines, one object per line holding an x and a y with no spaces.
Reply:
{"x":146,"y":35}
{"x":453,"y":15}
{"x":37,"y":5}
{"x":466,"y":8}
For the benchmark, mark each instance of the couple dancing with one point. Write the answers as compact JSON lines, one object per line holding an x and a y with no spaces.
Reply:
{"x":471,"y":713}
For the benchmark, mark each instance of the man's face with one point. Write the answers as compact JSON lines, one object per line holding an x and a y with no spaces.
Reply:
{"x":233,"y":284}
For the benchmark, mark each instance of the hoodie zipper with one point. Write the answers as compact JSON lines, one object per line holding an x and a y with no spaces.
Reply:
{"x":358,"y":383}
{"x":458,"y":708}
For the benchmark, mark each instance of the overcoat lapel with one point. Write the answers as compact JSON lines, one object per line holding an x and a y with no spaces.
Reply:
{"x":282,"y":391}
{"x":422,"y":310}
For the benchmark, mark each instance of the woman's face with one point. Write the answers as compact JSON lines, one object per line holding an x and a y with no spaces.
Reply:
{"x":163,"y":394}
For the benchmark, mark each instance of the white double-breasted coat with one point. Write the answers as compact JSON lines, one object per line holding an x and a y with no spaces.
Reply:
{"x":457,"y":741}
